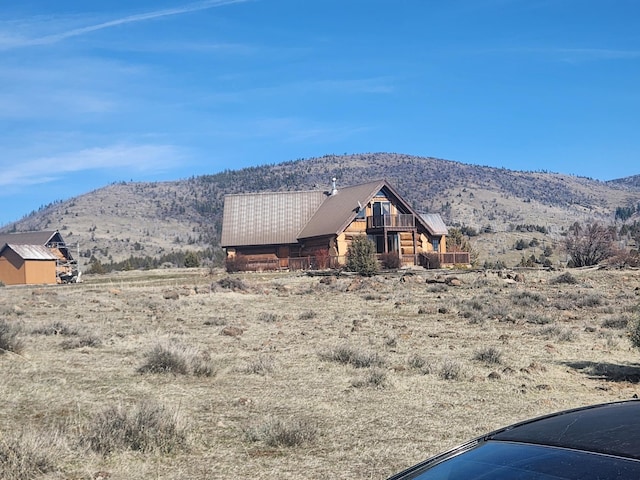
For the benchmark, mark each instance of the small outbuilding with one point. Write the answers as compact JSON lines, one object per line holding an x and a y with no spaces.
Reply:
{"x":27,"y":265}
{"x":66,"y":267}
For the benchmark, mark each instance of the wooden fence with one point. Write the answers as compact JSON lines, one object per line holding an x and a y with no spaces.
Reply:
{"x":324,"y":262}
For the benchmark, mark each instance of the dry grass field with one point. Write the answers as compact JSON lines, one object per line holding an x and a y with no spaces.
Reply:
{"x":187,"y":374}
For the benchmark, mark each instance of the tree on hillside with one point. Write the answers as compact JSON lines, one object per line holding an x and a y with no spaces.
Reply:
{"x":191,"y":260}
{"x":589,"y":244}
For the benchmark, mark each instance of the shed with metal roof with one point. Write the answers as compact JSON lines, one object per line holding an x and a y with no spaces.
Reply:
{"x":27,"y":265}
{"x":66,"y":265}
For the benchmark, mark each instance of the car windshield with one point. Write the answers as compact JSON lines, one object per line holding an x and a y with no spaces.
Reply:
{"x":517,"y":461}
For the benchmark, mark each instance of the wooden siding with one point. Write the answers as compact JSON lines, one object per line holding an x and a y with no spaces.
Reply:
{"x":16,"y":271}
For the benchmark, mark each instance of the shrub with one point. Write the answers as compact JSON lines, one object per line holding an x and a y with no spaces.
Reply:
{"x":83,"y":341}
{"x":560,"y":334}
{"x":416,"y":361}
{"x":474,"y":304}
{"x":451,"y":370}
{"x":321,"y":259}
{"x":165,"y":359}
{"x":191,"y":260}
{"x":267,"y":317}
{"x":526,"y":299}
{"x":537,"y":319}
{"x":589,"y":245}
{"x":565,"y":278}
{"x":475,"y":318}
{"x":235,"y":284}
{"x":489,"y":355}
{"x":391,"y":260}
{"x":589,"y":301}
{"x":361,"y":256}
{"x":178,"y":360}
{"x":29,"y":454}
{"x":348,"y":355}
{"x":494,"y":265}
{"x":56,"y":328}
{"x":437,"y":288}
{"x":308,"y":315}
{"x":391,"y":341}
{"x":619,"y":323}
{"x":10,"y":340}
{"x":147,"y":427}
{"x":567,"y":335}
{"x":215,"y":321}
{"x":634,"y":333}
{"x":275,"y":432}
{"x":376,"y":378}
{"x":260,"y":366}
{"x":237,"y":263}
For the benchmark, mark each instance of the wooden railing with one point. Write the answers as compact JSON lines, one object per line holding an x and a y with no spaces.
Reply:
{"x":402,"y":220}
{"x":455,"y":258}
{"x":324,"y":262}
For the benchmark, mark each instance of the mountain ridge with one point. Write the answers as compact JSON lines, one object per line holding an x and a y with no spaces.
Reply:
{"x":156,"y":218}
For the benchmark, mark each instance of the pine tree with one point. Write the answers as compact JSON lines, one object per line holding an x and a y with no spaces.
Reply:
{"x":361,"y":256}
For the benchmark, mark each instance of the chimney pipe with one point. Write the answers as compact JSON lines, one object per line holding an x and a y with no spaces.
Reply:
{"x":334,"y":190}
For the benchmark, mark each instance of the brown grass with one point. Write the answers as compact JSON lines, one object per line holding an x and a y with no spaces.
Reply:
{"x":340,"y":382}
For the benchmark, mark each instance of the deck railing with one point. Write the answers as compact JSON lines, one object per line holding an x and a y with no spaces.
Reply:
{"x":455,"y":258}
{"x":402,"y":220}
{"x":324,"y":262}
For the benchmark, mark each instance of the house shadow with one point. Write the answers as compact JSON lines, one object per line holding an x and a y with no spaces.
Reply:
{"x":609,"y":372}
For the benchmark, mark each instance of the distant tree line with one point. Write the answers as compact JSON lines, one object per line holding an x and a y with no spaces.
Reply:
{"x":188,"y":259}
{"x":625,"y":213}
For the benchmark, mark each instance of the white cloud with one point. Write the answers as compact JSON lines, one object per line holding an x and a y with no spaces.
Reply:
{"x":10,"y":40}
{"x":139,"y":158}
{"x":594,"y":54}
{"x":570,"y":54}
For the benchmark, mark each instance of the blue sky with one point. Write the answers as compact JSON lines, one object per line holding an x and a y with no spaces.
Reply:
{"x":98,"y":92}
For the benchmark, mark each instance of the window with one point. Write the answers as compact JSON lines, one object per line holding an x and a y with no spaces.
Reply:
{"x":393,"y":243}
{"x":381,"y":208}
{"x":435,"y":243}
{"x":381,"y":214}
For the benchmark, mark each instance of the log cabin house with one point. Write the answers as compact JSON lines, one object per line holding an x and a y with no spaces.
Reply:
{"x":33,"y":244}
{"x":313,"y":229}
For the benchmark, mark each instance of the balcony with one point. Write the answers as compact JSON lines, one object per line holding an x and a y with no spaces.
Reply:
{"x":396,"y":222}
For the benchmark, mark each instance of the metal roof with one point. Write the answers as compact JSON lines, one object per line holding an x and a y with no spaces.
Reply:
{"x":27,"y":238}
{"x":338,"y":210}
{"x":267,"y":218}
{"x":435,"y":223}
{"x":286,"y":217}
{"x":30,"y":252}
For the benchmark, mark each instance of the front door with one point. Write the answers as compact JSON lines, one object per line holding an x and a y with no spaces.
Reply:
{"x":283,"y":256}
